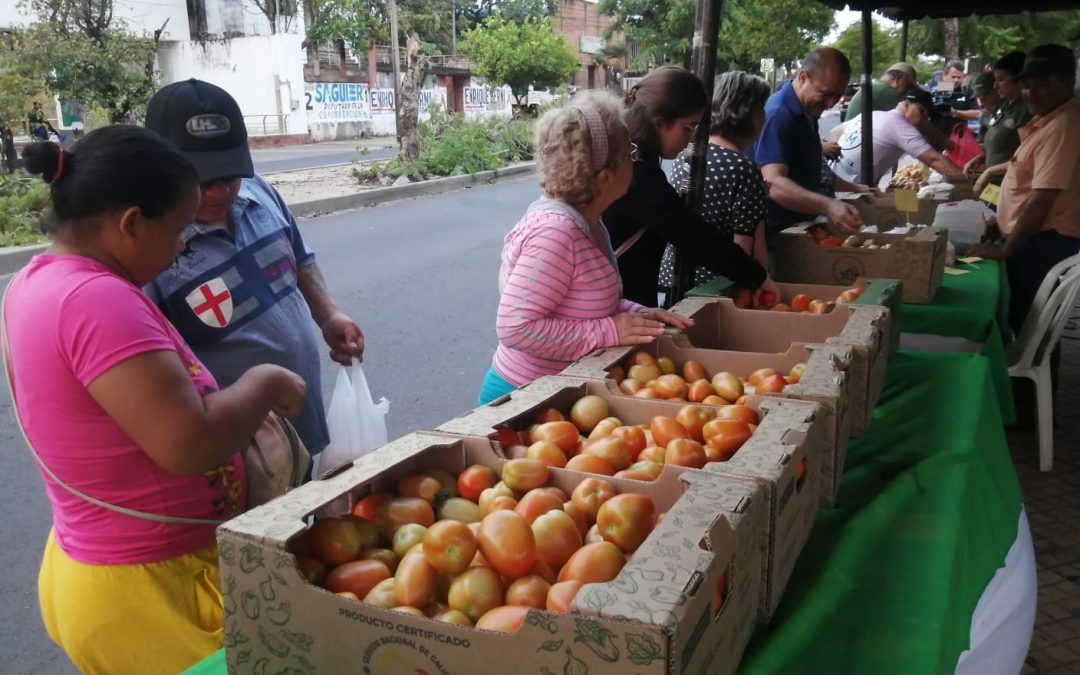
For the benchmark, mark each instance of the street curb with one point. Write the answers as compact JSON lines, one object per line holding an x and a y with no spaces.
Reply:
{"x":378,"y":196}
{"x":13,"y":259}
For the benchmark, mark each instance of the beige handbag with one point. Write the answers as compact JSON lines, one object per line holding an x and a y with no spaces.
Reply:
{"x":276,"y":460}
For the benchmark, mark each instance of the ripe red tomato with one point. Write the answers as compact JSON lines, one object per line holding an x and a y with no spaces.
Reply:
{"x":693,"y":418}
{"x":738,"y":412}
{"x":419,"y":485}
{"x":767,"y":299}
{"x":475,"y":480}
{"x":507,"y":543}
{"x":590,"y":494}
{"x":801,"y":302}
{"x":505,"y":619}
{"x":759,"y":375}
{"x":563,"y":434}
{"x":685,"y":452}
{"x":475,"y":591}
{"x":587,"y":463}
{"x":530,"y":591}
{"x":368,"y":507}
{"x":536,"y":503}
{"x":627,"y":519}
{"x":398,"y":511}
{"x":594,"y":563}
{"x":773,"y":384}
{"x":727,"y":436}
{"x":633,"y":438}
{"x":449,"y":546}
{"x":334,"y":541}
{"x":665,"y":429}
{"x":357,"y":577}
{"x":612,"y":450}
{"x":560,"y":597}
{"x":557,"y":537}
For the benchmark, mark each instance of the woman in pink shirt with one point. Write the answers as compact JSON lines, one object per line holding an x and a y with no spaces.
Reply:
{"x":118,"y":408}
{"x":561,"y":296}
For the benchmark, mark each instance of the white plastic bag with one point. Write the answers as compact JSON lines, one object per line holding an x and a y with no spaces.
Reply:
{"x":357,"y":424}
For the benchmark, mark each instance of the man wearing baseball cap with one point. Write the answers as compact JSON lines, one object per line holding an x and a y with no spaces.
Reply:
{"x":246,"y":287}
{"x":898,"y":79}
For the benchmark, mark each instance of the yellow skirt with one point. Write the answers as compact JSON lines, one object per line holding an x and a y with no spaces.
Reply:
{"x":141,"y":619}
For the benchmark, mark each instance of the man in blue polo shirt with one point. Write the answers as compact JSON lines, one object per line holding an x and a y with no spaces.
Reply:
{"x":789,"y":150}
{"x":246,"y":288}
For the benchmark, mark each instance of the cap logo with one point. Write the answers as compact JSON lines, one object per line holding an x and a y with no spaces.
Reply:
{"x":208,"y":126}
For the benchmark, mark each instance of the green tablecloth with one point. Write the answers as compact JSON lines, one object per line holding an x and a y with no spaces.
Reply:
{"x":928,"y":508}
{"x":972,"y":306}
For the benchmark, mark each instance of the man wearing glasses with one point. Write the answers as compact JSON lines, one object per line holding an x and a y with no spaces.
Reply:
{"x":246,"y":287}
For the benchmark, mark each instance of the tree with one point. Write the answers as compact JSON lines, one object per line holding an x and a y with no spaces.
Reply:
{"x":663,"y":29}
{"x":16,"y":91}
{"x":519,"y":54}
{"x":990,"y":37}
{"x":886,"y":46}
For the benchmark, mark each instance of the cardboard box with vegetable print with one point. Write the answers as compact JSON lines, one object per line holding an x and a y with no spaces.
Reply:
{"x":784,"y":455}
{"x":686,"y":602}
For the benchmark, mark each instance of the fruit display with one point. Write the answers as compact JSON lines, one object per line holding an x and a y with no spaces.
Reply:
{"x":823,"y":238}
{"x":910,"y":177}
{"x":645,"y":376}
{"x":799,"y":303}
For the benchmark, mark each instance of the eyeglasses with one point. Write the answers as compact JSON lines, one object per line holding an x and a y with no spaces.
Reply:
{"x":691,"y":128}
{"x":635,"y":154}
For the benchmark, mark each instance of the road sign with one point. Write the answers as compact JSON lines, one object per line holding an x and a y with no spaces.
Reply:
{"x":768,"y":65}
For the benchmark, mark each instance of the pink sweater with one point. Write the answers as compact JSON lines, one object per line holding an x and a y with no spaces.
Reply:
{"x":559,"y":292}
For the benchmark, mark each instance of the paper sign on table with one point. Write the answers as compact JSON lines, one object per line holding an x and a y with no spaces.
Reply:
{"x":971,"y":260}
{"x":991,"y":194}
{"x":907,"y":200}
{"x":954,"y":271}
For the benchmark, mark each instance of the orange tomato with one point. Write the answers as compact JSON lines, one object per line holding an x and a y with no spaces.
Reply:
{"x":548,"y":453}
{"x":560,"y":597}
{"x":474,"y":480}
{"x":742,"y":297}
{"x":414,"y":581}
{"x":499,"y":503}
{"x":454,"y":617}
{"x":383,"y":555}
{"x":640,"y":358}
{"x":594,"y":563}
{"x":693,"y":418}
{"x":334,"y":541}
{"x":475,"y":591}
{"x":727,"y":436}
{"x":630,"y":387}
{"x":671,"y":386}
{"x":692,"y":371}
{"x":530,"y":591}
{"x":727,"y":386}
{"x":627,"y":519}
{"x":653,"y":453}
{"x":419,"y":485}
{"x":368,"y":507}
{"x":588,"y":463}
{"x":773,"y":384}
{"x":831,"y":241}
{"x":801,"y":302}
{"x":846,"y":297}
{"x":631,"y":474}
{"x":715,"y":400}
{"x":449,"y":546}
{"x":590,"y":494}
{"x":796,"y":373}
{"x":587,"y":412}
{"x":818,"y":307}
{"x":632,"y":437}
{"x":357,"y":577}
{"x":525,"y":474}
{"x":536,"y":503}
{"x":382,"y":594}
{"x":649,"y":393}
{"x":666,"y":429}
{"x":604,"y":428}
{"x":557,"y":537}
{"x":647,"y":467}
{"x":699,"y":391}
{"x":612,"y":450}
{"x":738,"y":412}
{"x":579,"y":514}
{"x":781,"y":307}
{"x":549,"y":415}
{"x":818,"y":233}
{"x":505,"y":619}
{"x":685,"y":452}
{"x":398,"y":511}
{"x":507,"y":542}
{"x":563,"y":434}
{"x":759,"y":375}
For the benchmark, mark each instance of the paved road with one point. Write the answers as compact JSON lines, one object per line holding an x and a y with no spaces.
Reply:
{"x":296,"y":157}
{"x":419,"y":277}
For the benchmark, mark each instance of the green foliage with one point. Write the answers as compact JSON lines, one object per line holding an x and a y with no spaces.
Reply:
{"x":16,"y":93}
{"x":663,"y":29}
{"x":22,"y":199}
{"x":990,"y":37}
{"x":357,"y":21}
{"x":886,"y":46}
{"x":519,"y":54}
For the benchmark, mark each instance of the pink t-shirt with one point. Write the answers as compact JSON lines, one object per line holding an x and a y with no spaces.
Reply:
{"x":70,"y":319}
{"x":559,"y":292}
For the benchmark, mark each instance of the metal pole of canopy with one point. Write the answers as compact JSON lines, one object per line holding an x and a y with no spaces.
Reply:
{"x":703,"y":64}
{"x":868,"y":99}
{"x":903,"y":40}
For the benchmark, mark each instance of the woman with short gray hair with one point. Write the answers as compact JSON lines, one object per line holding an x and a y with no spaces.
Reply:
{"x":734,"y":189}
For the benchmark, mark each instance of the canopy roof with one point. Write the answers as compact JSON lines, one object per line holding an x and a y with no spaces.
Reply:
{"x":917,"y":9}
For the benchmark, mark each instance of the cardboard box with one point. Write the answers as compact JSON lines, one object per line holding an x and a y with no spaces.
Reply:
{"x":880,"y":209}
{"x":719,"y":324}
{"x":916,"y":259}
{"x":824,"y":381}
{"x":790,"y":433}
{"x":656,"y":617}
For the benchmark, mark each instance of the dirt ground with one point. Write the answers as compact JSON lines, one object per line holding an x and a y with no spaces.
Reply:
{"x":319,"y":183}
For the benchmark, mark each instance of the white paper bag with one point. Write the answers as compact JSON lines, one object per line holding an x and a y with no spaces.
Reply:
{"x":357,"y":424}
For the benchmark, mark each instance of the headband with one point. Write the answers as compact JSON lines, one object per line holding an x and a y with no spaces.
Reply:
{"x":59,"y":166}
{"x":598,"y":135}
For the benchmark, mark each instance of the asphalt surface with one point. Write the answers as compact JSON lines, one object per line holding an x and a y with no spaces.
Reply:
{"x":295,"y":157}
{"x":420,"y":277}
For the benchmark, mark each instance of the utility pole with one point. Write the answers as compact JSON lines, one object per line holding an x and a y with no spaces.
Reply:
{"x":395,"y":59}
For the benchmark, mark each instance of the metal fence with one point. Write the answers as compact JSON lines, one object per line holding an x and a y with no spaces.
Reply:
{"x":266,"y":125}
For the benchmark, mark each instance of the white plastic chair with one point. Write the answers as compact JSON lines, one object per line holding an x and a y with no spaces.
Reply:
{"x":1029,"y":354}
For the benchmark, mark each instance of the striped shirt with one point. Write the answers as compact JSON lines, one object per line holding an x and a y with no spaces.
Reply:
{"x":559,"y":294}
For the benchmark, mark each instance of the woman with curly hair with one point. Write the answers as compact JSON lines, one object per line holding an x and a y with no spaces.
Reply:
{"x":662,"y":113}
{"x":561,"y":296}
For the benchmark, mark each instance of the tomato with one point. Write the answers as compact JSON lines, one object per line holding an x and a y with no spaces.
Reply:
{"x":692,"y":371}
{"x":800,"y":303}
{"x":475,"y":591}
{"x":594,"y":563}
{"x":461,"y":510}
{"x":406,"y":609}
{"x":665,"y":429}
{"x":587,"y":412}
{"x":498,"y":503}
{"x":507,"y":541}
{"x":419,"y":485}
{"x":800,"y":472}
{"x":738,"y":412}
{"x":617,"y":373}
{"x":780,"y":307}
{"x":773,"y":384}
{"x":505,"y":619}
{"x":632,"y":474}
{"x":831,"y":241}
{"x":743,"y":297}
{"x":633,"y":438}
{"x":522,"y":475}
{"x":454,"y":617}
{"x":591,"y":464}
{"x":818,"y":307}
{"x":644,"y":374}
{"x":334,"y":541}
{"x":358,"y":577}
{"x":447,"y":481}
{"x":515,"y":451}
{"x":727,"y":436}
{"x":383,"y":555}
{"x":312,"y":569}
{"x":563,"y":434}
{"x":434,"y":608}
{"x":368,"y":507}
{"x":398,"y":511}
{"x":796,"y":372}
{"x":506,"y":436}
{"x":671,"y":386}
{"x":767,"y":299}
{"x":640,"y":358}
{"x":548,"y":453}
{"x":685,"y":452}
{"x":593,"y":535}
{"x":693,"y":418}
{"x":611,"y":449}
{"x":653,"y":453}
{"x":560,"y":597}
{"x":818,"y":233}
{"x":626,"y":520}
{"x":382,"y":594}
{"x":415,"y":580}
{"x":557,"y":537}
{"x":667,"y":366}
{"x":449,"y":546}
{"x":647,"y":467}
{"x":648,"y":393}
{"x":715,"y":400}
{"x":727,"y":386}
{"x":475,"y":480}
{"x":530,"y":591}
{"x":605,"y":427}
{"x":579,"y":514}
{"x":846,"y":297}
{"x":558,"y":492}
{"x":759,"y":375}
{"x":590,"y":494}
{"x":549,"y":415}
{"x":406,"y":537}
{"x":630,"y":387}
{"x":536,"y":503}
{"x":699,"y":390}
{"x":348,"y":596}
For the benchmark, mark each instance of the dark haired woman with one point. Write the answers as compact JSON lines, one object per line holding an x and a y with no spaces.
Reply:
{"x":662,"y":112}
{"x":735,"y":192}
{"x":1003,"y":128}
{"x":120,"y":413}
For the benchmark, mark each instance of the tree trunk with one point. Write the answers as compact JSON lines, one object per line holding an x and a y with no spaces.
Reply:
{"x":409,"y":105}
{"x":952,"y":38}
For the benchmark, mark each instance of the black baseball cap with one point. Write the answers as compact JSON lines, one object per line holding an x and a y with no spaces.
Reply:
{"x":204,"y":122}
{"x":920,"y":96}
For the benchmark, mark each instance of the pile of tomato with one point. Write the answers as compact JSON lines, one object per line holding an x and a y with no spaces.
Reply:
{"x":644,"y":376}
{"x":478,"y":549}
{"x":799,"y":304}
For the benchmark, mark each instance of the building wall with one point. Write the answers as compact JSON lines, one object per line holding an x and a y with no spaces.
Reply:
{"x":141,"y":16}
{"x":264,"y":73}
{"x":577,"y":19}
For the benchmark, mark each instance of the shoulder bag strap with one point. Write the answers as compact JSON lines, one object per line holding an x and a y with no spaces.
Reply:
{"x":625,"y":246}
{"x":143,"y":515}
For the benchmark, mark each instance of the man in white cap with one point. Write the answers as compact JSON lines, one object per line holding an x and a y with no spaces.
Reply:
{"x":246,"y":287}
